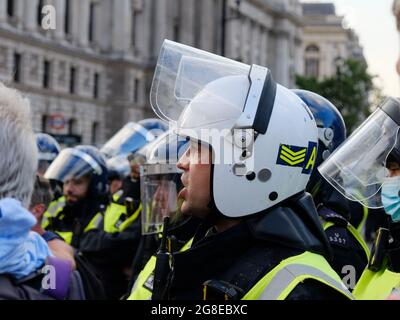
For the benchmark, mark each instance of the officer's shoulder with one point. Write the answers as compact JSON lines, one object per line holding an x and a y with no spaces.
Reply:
{"x":314,"y":290}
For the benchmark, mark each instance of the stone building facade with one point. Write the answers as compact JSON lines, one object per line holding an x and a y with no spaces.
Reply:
{"x":324,"y":39}
{"x":92,"y":73}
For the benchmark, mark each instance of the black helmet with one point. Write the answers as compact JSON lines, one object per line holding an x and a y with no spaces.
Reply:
{"x":331,"y":130}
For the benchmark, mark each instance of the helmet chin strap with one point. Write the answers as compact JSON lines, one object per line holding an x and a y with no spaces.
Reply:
{"x":215,"y":215}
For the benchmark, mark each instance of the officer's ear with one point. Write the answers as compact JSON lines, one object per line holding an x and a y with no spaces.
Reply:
{"x":38,"y":210}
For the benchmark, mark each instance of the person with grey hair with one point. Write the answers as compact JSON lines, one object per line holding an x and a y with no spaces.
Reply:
{"x":23,"y":252}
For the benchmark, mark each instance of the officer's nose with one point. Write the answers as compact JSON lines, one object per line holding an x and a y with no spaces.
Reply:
{"x":68,"y":187}
{"x":184,"y":161}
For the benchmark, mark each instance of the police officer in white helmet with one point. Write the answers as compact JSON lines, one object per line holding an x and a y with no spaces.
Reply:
{"x":250,"y":157}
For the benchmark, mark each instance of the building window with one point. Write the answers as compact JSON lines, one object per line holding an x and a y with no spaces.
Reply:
{"x":46,"y":74}
{"x":134,"y":27}
{"x":67,"y":16}
{"x":176,"y":29}
{"x":312,"y":67}
{"x":95,"y":129}
{"x":44,"y":123}
{"x":72,"y":75}
{"x":312,"y":48}
{"x":312,"y":58}
{"x":10,"y":8}
{"x":91,"y":22}
{"x":96,"y":86}
{"x":176,"y":20}
{"x":17,"y":67}
{"x":136,"y":91}
{"x":39,"y":12}
{"x":72,"y":127}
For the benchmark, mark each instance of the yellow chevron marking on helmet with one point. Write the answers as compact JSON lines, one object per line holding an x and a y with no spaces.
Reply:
{"x":293,"y":153}
{"x":292,"y":158}
{"x":292,"y":163}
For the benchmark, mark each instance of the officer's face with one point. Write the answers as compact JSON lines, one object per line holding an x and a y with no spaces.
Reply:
{"x":135,"y":164}
{"x":135,"y":171}
{"x":76,"y":189}
{"x":115,"y":185}
{"x":164,"y":202}
{"x":394,"y":169}
{"x":196,"y":167}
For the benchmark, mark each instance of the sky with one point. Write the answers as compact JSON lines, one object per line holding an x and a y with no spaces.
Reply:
{"x":375,"y":25}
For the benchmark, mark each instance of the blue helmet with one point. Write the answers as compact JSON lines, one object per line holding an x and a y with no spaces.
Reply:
{"x":81,"y":161}
{"x":99,"y":180}
{"x":154,"y":125}
{"x":331,"y":129}
{"x":48,"y":147}
{"x":130,"y":138}
{"x":48,"y":150}
{"x":119,"y":164}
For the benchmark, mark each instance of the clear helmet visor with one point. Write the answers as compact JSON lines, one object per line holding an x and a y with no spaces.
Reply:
{"x":190,"y":79}
{"x":167,"y":149}
{"x":128,"y":139}
{"x":72,"y":163}
{"x":357,"y":168}
{"x":156,"y":126}
{"x":159,"y":196}
{"x":120,"y":164}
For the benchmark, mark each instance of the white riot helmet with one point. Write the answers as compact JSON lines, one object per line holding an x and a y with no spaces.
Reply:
{"x":268,"y":138}
{"x":357,"y":169}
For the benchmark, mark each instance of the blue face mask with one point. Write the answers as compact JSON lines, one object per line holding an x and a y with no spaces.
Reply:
{"x":391,"y":198}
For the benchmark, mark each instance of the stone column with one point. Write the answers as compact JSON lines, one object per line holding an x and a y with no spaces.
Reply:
{"x":160,"y":24}
{"x":282,"y":59}
{"x":30,"y":13}
{"x":19,"y":11}
{"x":244,"y":41}
{"x":207,"y":31}
{"x":121,"y":25}
{"x":282,"y":53}
{"x":299,"y":53}
{"x":255,"y":43}
{"x":299,"y":57}
{"x":264,"y":47}
{"x":60,"y":18}
{"x":145,"y":25}
{"x":105,"y":20}
{"x":3,"y":10}
{"x":187,"y":22}
{"x":83,"y":22}
{"x":75,"y":16}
